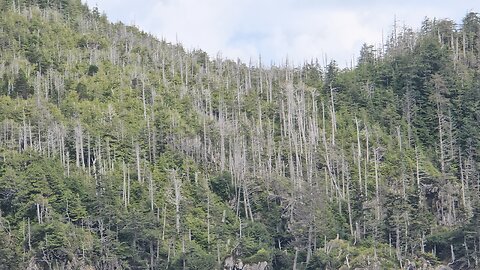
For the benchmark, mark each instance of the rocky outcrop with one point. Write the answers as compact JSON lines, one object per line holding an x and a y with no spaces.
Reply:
{"x":231,"y":263}
{"x":256,"y":266}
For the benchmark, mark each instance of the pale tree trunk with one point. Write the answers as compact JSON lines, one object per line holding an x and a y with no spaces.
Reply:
{"x":367,"y":159}
{"x":208,"y":218}
{"x":137,"y":155}
{"x":151,"y":190}
{"x":377,"y":185}
{"x":349,"y":206}
{"x":124,"y":189}
{"x":440,"y":135}
{"x":333,"y":116}
{"x":359,"y":158}
{"x":177,"y":185}
{"x":295,"y":259}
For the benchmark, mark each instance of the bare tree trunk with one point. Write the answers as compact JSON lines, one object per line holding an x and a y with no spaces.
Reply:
{"x":177,"y":185}
{"x":377,"y":188}
{"x":137,"y":155}
{"x":349,"y":206}
{"x":208,"y":219}
{"x":333,"y":116}
{"x":359,"y":158}
{"x":150,"y":190}
{"x":124,"y":189}
{"x":295,"y":259}
{"x":309,"y":245}
{"x":440,"y":137}
{"x":367,"y":159}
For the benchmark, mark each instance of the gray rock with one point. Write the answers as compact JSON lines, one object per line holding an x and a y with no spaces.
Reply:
{"x":443,"y":267}
{"x":256,"y":266}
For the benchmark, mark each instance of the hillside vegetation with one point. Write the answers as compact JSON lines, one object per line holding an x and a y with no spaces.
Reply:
{"x":122,"y":151}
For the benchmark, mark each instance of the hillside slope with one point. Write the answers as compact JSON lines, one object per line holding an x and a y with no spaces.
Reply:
{"x":121,"y":151}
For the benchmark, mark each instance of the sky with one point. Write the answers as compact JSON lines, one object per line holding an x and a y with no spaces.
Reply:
{"x":297,"y":30}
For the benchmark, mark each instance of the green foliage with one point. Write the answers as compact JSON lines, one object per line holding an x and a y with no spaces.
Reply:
{"x":262,"y":255}
{"x":9,"y":251}
{"x":256,"y":237}
{"x":338,"y":252}
{"x":21,"y":87}
{"x":282,"y":260}
{"x":196,"y":259}
{"x":120,"y":151}
{"x":92,"y":70}
{"x":222,"y":186}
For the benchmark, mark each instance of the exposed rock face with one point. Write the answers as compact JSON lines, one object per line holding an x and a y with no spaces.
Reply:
{"x":256,"y":266}
{"x":231,"y":264}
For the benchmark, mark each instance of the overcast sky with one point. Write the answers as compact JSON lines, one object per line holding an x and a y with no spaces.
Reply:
{"x":275,"y":29}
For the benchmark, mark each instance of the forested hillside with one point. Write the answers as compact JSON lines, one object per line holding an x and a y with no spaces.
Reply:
{"x":122,"y":151}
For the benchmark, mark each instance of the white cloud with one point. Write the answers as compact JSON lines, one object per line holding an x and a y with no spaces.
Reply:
{"x":302,"y":29}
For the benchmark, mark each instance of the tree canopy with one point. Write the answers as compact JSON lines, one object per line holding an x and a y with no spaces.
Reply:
{"x":122,"y":151}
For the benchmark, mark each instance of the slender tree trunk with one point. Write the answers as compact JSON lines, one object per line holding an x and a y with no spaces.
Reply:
{"x":359,"y":157}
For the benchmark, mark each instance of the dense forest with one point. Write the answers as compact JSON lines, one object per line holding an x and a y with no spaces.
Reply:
{"x":122,"y":151}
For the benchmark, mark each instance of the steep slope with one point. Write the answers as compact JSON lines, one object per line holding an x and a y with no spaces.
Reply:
{"x":120,"y":151}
